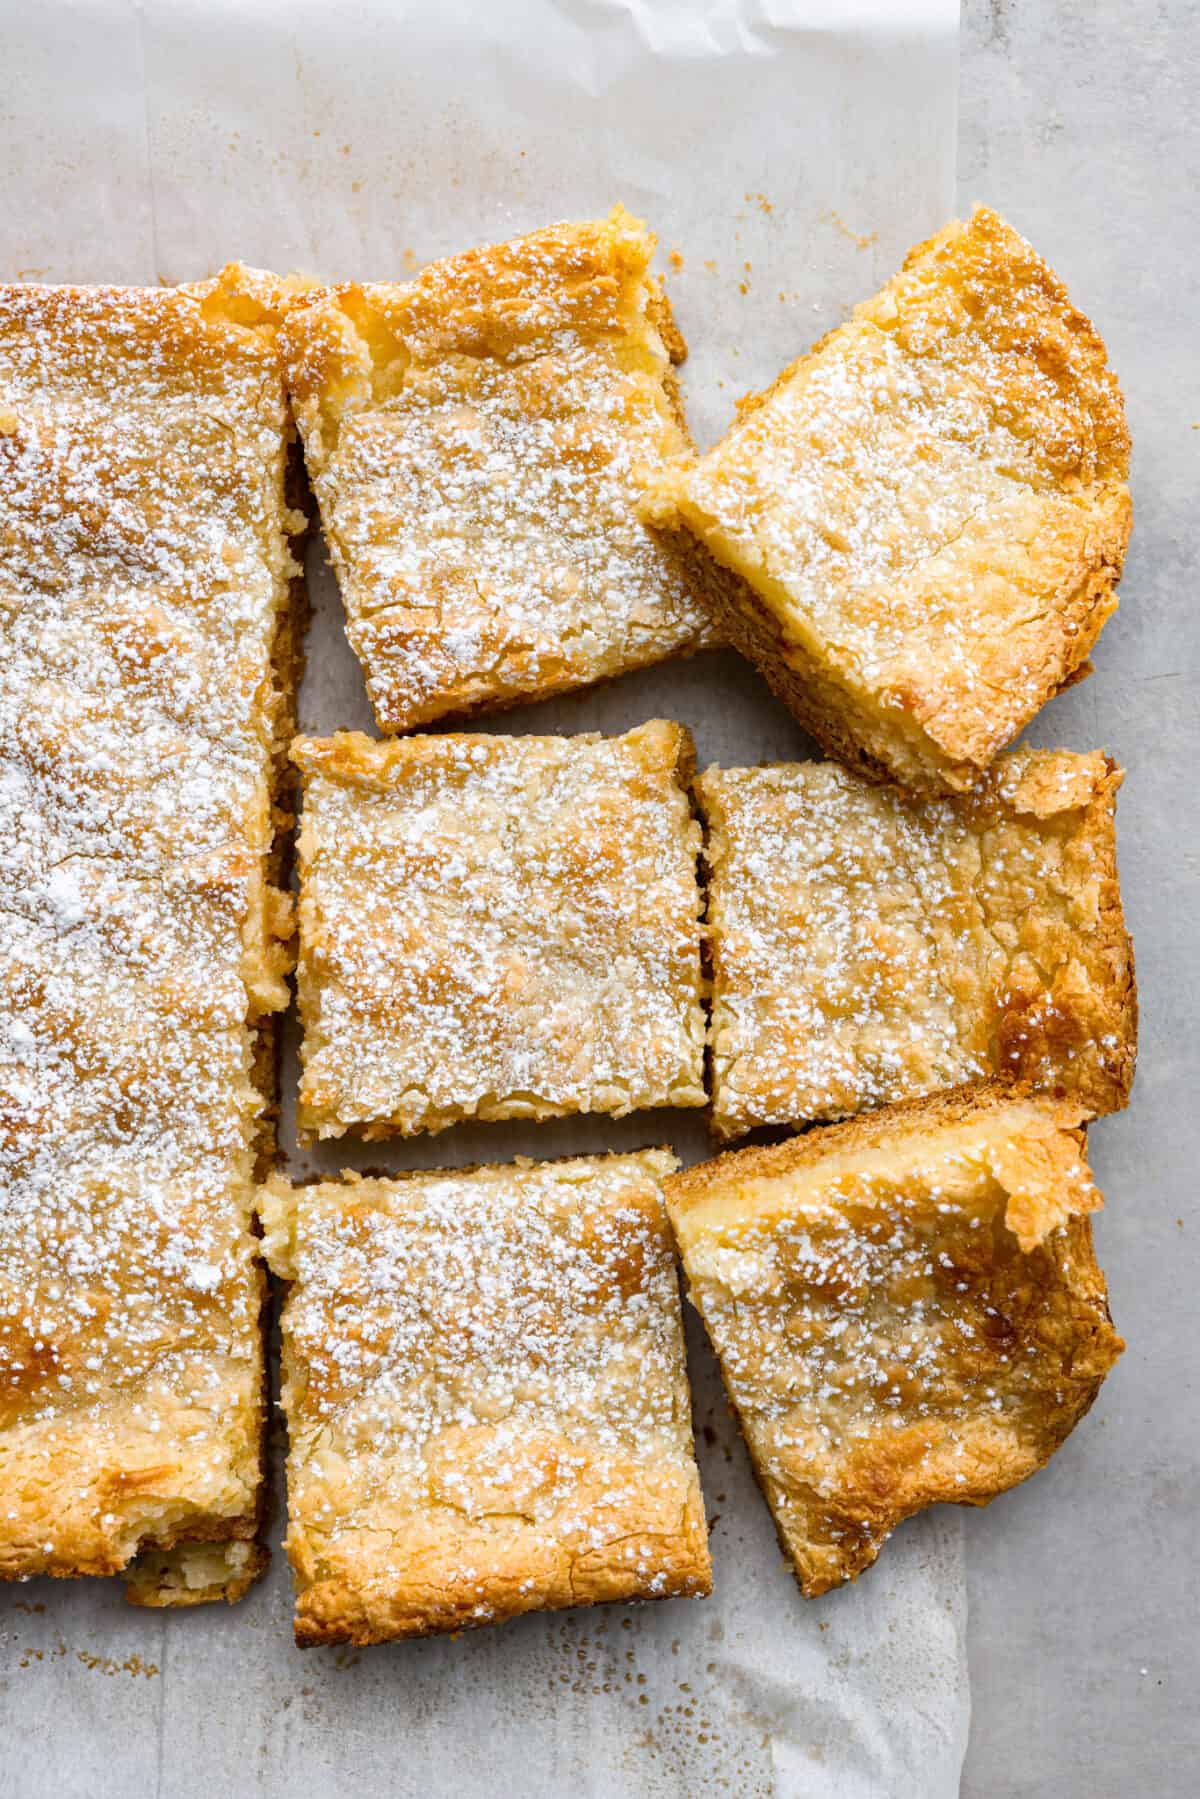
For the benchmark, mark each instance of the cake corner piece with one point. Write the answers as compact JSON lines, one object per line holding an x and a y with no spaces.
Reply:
{"x":866,"y":947}
{"x":906,"y":1308}
{"x":475,"y":438}
{"x":918,"y":607}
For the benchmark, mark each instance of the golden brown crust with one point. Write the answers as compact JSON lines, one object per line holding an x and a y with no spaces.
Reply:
{"x":146,"y":582}
{"x":867,"y":948}
{"x":916,"y":532}
{"x":474,"y":438}
{"x":497,"y":927}
{"x":486,"y":1393}
{"x":906,"y":1307}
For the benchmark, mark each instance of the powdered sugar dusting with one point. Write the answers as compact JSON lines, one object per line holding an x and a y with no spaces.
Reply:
{"x":932,"y":504}
{"x":887,"y":1340}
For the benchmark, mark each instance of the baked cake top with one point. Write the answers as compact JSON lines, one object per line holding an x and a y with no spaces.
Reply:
{"x":907,"y":1310}
{"x":867,"y":947}
{"x":497,"y":927}
{"x":486,"y":1394}
{"x":475,"y":439}
{"x":144,"y":576}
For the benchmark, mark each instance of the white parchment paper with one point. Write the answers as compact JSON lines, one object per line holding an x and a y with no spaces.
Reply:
{"x":786,"y":152}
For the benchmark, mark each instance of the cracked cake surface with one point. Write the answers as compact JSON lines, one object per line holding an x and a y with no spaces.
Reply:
{"x":486,"y":1394}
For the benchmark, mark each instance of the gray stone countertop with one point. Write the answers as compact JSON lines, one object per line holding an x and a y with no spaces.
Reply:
{"x":1079,"y":121}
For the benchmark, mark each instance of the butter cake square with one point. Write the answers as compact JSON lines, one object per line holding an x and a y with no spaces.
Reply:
{"x":867,"y":947}
{"x":916,"y":532}
{"x":476,"y":440}
{"x":147,"y":647}
{"x":906,"y":1308}
{"x":486,"y":1395}
{"x":497,"y":927}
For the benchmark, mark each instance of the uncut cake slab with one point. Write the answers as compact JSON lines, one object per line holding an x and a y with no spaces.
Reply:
{"x":146,"y":674}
